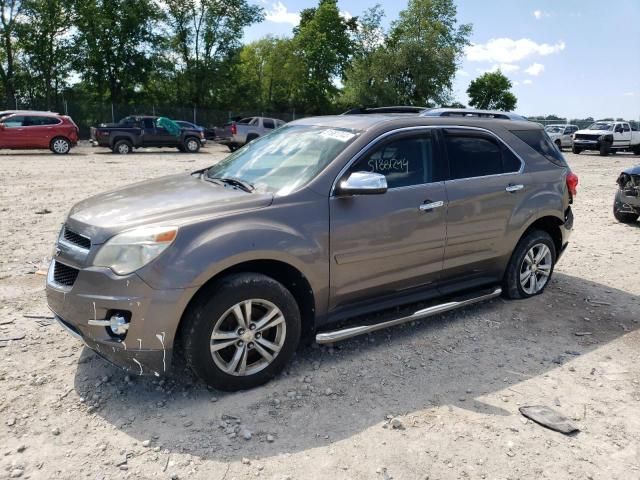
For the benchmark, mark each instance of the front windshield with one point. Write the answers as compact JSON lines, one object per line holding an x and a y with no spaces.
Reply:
{"x":554,"y":129}
{"x":285,"y":159}
{"x":601,"y":126}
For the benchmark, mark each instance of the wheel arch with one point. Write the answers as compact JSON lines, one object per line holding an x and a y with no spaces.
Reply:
{"x":550,"y":224}
{"x":285,"y":273}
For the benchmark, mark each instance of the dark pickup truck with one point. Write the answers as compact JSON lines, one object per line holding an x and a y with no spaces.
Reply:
{"x":143,"y":131}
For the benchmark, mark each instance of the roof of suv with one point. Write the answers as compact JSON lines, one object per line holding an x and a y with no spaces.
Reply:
{"x":368,"y":121}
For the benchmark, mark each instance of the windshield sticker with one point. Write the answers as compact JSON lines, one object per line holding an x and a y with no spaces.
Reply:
{"x":340,"y":135}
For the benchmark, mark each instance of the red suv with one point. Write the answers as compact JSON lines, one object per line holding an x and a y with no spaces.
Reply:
{"x":30,"y":130}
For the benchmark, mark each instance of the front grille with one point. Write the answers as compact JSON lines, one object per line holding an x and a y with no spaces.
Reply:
{"x":64,"y":274}
{"x":76,"y":239}
{"x":586,"y":136}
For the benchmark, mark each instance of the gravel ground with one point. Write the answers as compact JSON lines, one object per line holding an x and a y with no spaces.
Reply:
{"x":437,"y":399}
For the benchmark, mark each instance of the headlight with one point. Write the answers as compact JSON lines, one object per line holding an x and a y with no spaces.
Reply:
{"x":128,"y":251}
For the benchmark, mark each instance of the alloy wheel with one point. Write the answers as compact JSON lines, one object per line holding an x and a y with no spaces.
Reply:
{"x":192,"y":145}
{"x":247,"y":337}
{"x":60,"y":146}
{"x":536,"y":269}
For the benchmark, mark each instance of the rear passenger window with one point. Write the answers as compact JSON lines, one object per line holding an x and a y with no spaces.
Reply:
{"x":404,"y":162}
{"x":540,"y":142}
{"x":268,"y":123}
{"x":472,"y":156}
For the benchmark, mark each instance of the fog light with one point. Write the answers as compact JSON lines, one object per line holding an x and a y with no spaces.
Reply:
{"x":119,"y":324}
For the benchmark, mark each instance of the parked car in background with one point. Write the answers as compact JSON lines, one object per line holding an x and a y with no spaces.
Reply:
{"x":561,"y":135}
{"x":626,"y":206}
{"x":237,"y":134}
{"x":142,"y":131}
{"x":310,"y":231}
{"x":192,"y":126}
{"x":27,"y":130}
{"x":607,"y":137}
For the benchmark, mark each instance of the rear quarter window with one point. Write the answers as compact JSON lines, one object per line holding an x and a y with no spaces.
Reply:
{"x":539,"y":141}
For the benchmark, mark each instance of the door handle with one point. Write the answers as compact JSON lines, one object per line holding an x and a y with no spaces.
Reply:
{"x":427,"y":207}
{"x":514,"y":188}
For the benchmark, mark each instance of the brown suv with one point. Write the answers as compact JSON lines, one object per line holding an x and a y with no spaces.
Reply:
{"x":310,"y":230}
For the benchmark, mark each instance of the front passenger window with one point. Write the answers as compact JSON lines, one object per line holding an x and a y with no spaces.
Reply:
{"x":404,"y":162}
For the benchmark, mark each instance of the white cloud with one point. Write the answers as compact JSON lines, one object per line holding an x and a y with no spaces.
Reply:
{"x":507,"y":67}
{"x":540,"y":14}
{"x":535,"y":69}
{"x":346,"y":14}
{"x":516,"y":83}
{"x":508,"y":50}
{"x":278,"y":13}
{"x":527,"y":82}
{"x":629,"y":94}
{"x":462,"y":73}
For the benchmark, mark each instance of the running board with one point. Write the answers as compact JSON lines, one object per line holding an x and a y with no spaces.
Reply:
{"x":339,"y":335}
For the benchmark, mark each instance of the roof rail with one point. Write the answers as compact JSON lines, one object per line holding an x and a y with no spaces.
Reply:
{"x":471,"y":112}
{"x":395,"y":109}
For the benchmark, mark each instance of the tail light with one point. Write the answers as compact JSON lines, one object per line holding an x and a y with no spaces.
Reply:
{"x":572,"y":183}
{"x":234,"y":128}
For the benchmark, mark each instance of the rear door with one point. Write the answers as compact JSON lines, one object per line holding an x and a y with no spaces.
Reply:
{"x":483,"y":188}
{"x":41,"y":130}
{"x":384,"y":245}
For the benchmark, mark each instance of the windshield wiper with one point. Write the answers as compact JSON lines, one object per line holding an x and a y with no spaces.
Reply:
{"x":236,"y":182}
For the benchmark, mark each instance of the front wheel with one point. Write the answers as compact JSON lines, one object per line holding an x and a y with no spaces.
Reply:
{"x":241,"y":332}
{"x":531,"y":265}
{"x":576,"y":150}
{"x":191,"y":145}
{"x":559,"y":145}
{"x":605,"y":149}
{"x":623,"y":217}
{"x":60,"y":146}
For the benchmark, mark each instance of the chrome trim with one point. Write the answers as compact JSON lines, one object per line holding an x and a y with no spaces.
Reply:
{"x":344,"y":334}
{"x":425,"y":207}
{"x":377,"y":140}
{"x":73,"y":246}
{"x":514,"y":188}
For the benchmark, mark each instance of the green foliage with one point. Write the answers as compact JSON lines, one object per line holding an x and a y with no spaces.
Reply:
{"x":490,"y":91}
{"x":10,"y":11}
{"x":416,"y":63}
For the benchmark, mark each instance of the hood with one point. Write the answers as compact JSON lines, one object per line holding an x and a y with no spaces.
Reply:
{"x":632,"y":170}
{"x":595,"y":132}
{"x":173,"y":200}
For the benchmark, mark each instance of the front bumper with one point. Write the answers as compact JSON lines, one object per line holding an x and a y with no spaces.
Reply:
{"x":626,"y":203}
{"x":587,"y":144}
{"x":96,"y":294}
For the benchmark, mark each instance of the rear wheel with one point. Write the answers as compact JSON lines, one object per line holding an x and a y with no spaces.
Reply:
{"x":123,"y":147}
{"x":531,"y":265}
{"x":191,"y":145}
{"x":232,"y":147}
{"x":60,"y":146}
{"x":242,"y":332}
{"x":251,"y":138}
{"x":623,"y":217}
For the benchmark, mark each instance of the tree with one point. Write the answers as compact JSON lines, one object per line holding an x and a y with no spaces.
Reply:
{"x":491,"y":91}
{"x":418,"y":60}
{"x":46,"y":46}
{"x":205,"y":35}
{"x":114,"y":41}
{"x":323,"y":42}
{"x":10,"y":11}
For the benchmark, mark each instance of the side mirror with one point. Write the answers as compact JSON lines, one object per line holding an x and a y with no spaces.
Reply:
{"x":363,"y":183}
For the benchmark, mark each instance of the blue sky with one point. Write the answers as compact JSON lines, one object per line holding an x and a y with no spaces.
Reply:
{"x":571,"y":58}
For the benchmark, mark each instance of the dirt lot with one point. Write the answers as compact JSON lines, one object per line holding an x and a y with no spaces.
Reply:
{"x":454,"y":383}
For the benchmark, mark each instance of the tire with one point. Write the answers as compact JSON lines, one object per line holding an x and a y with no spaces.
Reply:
{"x":191,"y":145}
{"x":123,"y":147}
{"x":636,"y":150}
{"x":60,"y":146}
{"x":214,"y":312}
{"x":232,"y":147}
{"x":576,"y":150}
{"x":605,"y":149}
{"x":623,"y":217}
{"x":559,"y":145}
{"x":534,"y":241}
{"x":251,"y":138}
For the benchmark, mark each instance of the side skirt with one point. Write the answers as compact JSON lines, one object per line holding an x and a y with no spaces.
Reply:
{"x":350,"y":332}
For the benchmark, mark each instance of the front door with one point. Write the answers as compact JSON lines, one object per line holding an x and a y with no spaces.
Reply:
{"x":13,"y":135}
{"x":622,"y":135}
{"x":484,"y":188}
{"x":383,"y":245}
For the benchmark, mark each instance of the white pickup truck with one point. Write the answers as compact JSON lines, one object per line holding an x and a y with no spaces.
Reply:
{"x":607,"y":137}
